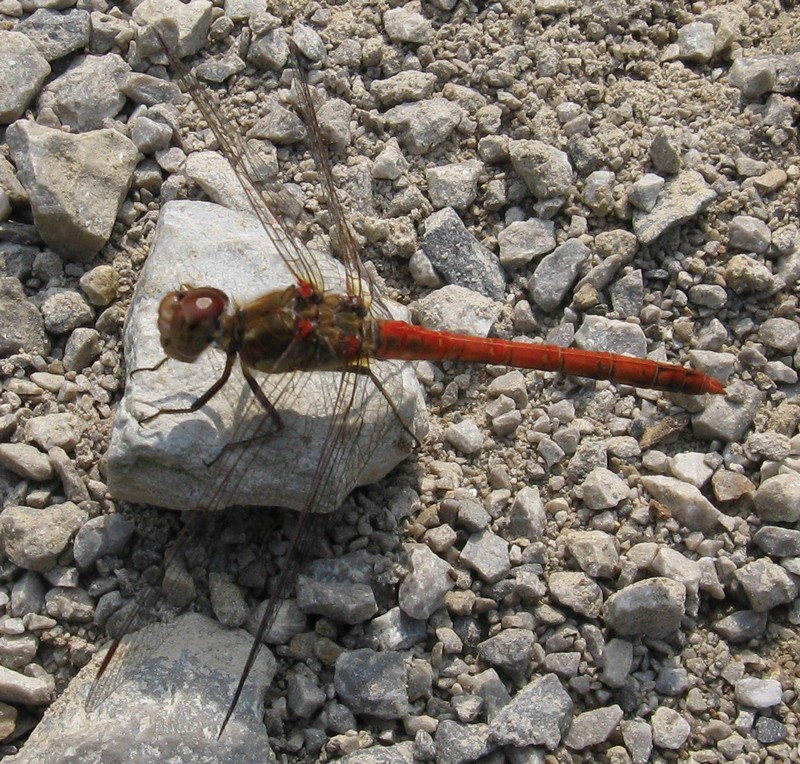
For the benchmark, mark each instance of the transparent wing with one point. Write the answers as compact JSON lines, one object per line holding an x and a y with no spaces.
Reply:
{"x":247,"y":166}
{"x":347,"y":248}
{"x":352,"y":401}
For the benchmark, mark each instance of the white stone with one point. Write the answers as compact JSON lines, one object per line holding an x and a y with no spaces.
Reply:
{"x":166,"y":461}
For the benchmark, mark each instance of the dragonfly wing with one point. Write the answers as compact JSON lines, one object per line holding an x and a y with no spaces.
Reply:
{"x":336,"y":439}
{"x":266,"y":199}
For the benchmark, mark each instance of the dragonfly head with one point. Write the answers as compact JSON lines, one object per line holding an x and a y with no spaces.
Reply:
{"x":189,"y":321}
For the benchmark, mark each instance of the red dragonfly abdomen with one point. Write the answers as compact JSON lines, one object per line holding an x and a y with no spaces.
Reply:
{"x":400,"y":340}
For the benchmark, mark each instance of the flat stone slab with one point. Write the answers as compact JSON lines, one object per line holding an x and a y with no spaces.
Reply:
{"x":166,"y":705}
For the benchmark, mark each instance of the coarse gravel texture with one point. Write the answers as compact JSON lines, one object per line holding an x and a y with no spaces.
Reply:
{"x":564,"y":569}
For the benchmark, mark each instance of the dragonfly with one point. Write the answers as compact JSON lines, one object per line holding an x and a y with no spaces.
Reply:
{"x":309,"y":327}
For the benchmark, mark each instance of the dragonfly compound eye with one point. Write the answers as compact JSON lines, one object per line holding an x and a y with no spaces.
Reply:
{"x":189,"y":321}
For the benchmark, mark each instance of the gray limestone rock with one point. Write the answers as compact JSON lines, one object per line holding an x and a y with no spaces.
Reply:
{"x":53,"y":164}
{"x":174,"y":692}
{"x":166,"y":461}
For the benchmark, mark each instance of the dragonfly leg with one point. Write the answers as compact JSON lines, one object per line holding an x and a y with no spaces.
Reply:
{"x":203,"y":399}
{"x":272,"y":413}
{"x":385,"y":394}
{"x":150,"y":368}
{"x":261,"y":398}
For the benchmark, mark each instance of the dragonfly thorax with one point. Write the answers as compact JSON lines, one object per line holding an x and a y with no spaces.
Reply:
{"x":300,"y":329}
{"x":189,"y":320}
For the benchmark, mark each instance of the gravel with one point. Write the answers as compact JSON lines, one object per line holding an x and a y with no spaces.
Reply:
{"x":561,"y":566}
